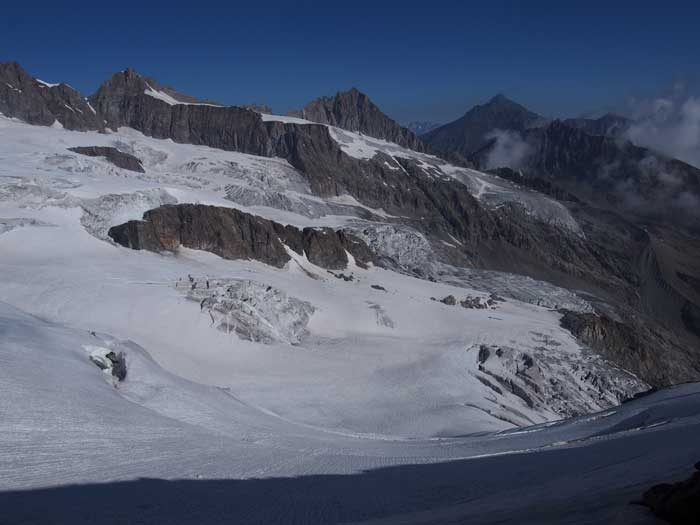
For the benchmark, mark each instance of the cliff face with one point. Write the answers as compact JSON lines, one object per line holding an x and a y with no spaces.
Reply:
{"x":124,"y":100}
{"x":35,"y":102}
{"x":354,"y":111}
{"x":232,"y":234}
{"x":651,"y":354}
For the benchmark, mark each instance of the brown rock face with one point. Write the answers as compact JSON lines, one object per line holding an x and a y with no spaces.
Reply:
{"x":123,"y":101}
{"x":25,"y":98}
{"x":644,"y":350}
{"x":232,"y":234}
{"x":354,"y":111}
{"x":113,"y":155}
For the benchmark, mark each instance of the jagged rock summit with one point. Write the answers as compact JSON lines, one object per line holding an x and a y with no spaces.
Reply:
{"x":354,"y":111}
{"x":36,"y":102}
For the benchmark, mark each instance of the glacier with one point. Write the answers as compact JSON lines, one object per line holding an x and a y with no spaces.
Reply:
{"x":283,"y":388}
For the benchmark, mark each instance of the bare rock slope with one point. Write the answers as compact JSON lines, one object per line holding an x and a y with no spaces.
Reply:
{"x":232,"y":234}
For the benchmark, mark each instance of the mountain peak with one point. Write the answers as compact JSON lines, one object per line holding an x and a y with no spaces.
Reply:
{"x":37,"y":102}
{"x":12,"y":64}
{"x":354,"y":110}
{"x":131,"y":82}
{"x":500,"y":98}
{"x":503,"y":103}
{"x":472,"y":131}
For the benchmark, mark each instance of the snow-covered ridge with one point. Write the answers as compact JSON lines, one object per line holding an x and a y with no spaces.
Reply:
{"x":47,"y":84}
{"x":170,"y":100}
{"x":266,"y":117}
{"x":489,"y":189}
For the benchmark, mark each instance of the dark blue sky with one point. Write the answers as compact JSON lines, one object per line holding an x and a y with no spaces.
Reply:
{"x":429,"y":60}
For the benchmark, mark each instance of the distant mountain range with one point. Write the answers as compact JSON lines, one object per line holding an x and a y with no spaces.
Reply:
{"x":587,"y":157}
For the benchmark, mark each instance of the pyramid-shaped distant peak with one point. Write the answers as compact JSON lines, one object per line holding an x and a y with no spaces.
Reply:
{"x":500,"y":98}
{"x":502,"y":102}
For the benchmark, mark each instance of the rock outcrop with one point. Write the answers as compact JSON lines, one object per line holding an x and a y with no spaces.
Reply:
{"x":127,"y":99}
{"x":645,"y":351}
{"x":233,"y":234}
{"x":677,"y":503}
{"x":354,"y":111}
{"x":118,"y":158}
{"x":111,"y":362}
{"x":36,"y":102}
{"x":570,"y":384}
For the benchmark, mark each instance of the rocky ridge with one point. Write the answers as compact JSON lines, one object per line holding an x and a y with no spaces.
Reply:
{"x":635,"y":348}
{"x":43,"y":104}
{"x":354,"y":111}
{"x":232,"y":234}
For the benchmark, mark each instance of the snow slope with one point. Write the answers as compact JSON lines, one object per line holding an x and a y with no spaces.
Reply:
{"x":241,"y":371}
{"x":363,"y":365}
{"x":80,"y":429}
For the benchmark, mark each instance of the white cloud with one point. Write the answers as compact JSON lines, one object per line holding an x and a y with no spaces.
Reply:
{"x":669,"y":124}
{"x":509,"y":150}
